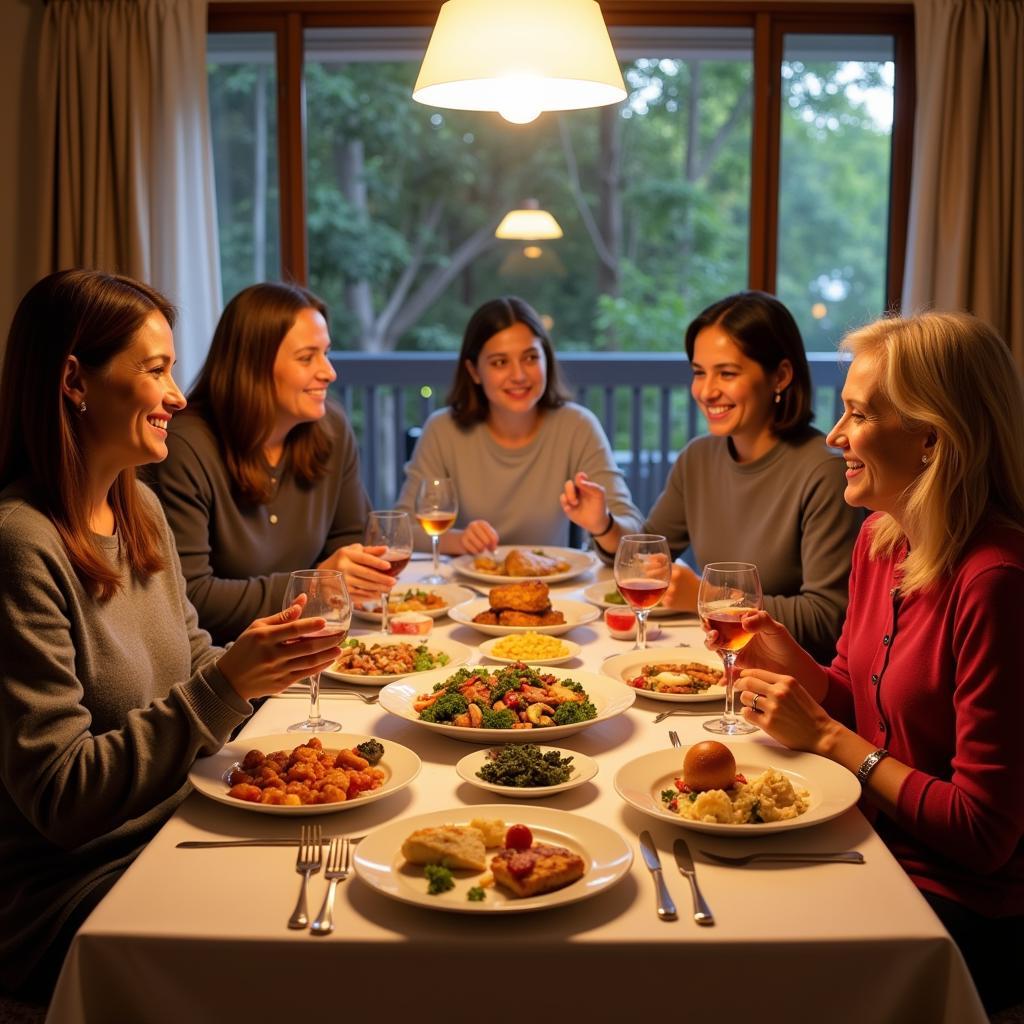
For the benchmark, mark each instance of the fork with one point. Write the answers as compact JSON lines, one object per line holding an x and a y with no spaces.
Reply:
{"x":844,"y":857}
{"x":339,"y":864}
{"x":679,"y":711}
{"x":303,"y":690}
{"x":674,"y":738}
{"x":307,"y":862}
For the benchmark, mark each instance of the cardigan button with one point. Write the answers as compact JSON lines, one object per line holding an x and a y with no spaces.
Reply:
{"x":874,"y":677}
{"x":273,"y":518}
{"x":885,"y":639}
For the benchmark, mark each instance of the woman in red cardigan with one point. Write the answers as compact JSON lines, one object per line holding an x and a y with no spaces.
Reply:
{"x":924,"y":701}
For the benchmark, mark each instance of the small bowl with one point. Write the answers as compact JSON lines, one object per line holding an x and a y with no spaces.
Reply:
{"x":621,"y":623}
{"x":410,"y":623}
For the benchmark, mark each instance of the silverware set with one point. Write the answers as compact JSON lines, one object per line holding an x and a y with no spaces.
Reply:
{"x":308,"y":861}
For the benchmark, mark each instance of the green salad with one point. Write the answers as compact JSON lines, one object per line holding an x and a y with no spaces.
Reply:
{"x":524,"y":765}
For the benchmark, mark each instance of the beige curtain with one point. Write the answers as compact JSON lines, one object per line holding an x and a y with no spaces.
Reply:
{"x":965,"y":247}
{"x":127,"y":168}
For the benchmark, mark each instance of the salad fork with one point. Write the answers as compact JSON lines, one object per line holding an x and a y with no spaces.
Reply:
{"x":339,"y":864}
{"x":307,"y":862}
{"x":844,"y":857}
{"x":668,"y":714}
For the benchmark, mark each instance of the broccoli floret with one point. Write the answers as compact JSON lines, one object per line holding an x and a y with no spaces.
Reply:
{"x":571,"y":684}
{"x":668,"y":795}
{"x":445,"y":708}
{"x":372,"y":750}
{"x":453,"y":682}
{"x":476,"y":894}
{"x":511,"y":678}
{"x":570,"y":714}
{"x":439,"y":879}
{"x":424,"y":660}
{"x":497,"y":719}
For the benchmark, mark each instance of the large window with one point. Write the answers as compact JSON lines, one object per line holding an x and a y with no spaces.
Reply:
{"x":762,"y":152}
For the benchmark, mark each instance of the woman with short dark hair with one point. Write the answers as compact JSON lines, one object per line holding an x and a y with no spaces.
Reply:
{"x":508,"y":438}
{"x":762,"y":487}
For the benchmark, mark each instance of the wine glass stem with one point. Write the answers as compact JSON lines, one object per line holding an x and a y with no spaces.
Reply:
{"x":314,"y":700}
{"x":641,"y":629}
{"x":729,"y":665}
{"x":385,"y":600}
{"x":435,"y":547}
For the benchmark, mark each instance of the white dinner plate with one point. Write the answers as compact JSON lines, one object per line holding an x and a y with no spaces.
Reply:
{"x":579,"y":562}
{"x":609,"y":698}
{"x":378,"y":859}
{"x":577,"y":613}
{"x":452,"y":594}
{"x":458,"y":654}
{"x":209,"y":774}
{"x":831,"y":787}
{"x":583,"y":769}
{"x":571,"y":651}
{"x":595,"y":595}
{"x":624,"y":667}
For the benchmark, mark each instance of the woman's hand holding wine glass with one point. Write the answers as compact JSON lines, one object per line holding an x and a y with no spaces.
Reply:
{"x":437,"y":507}
{"x":392,"y":531}
{"x":643,"y":567}
{"x":728,"y":592}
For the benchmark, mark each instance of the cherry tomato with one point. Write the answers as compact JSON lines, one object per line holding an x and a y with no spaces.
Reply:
{"x":518,"y":837}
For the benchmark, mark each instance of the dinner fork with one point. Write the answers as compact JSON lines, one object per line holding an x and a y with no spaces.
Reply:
{"x":844,"y":857}
{"x":303,"y":690}
{"x":339,"y":864}
{"x":668,"y":714}
{"x":307,"y":862}
{"x":674,"y":738}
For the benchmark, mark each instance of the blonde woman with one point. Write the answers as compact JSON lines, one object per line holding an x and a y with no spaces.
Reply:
{"x":924,"y":699}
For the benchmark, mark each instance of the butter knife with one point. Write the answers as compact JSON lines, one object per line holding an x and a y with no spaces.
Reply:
{"x":701,"y":911}
{"x":666,"y":908}
{"x":214,"y":844}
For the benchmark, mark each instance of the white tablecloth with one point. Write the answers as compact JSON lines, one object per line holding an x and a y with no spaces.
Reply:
{"x":199,"y":935}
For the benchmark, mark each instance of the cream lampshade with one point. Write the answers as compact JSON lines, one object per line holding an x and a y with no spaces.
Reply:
{"x":519,"y":57}
{"x":528,"y":223}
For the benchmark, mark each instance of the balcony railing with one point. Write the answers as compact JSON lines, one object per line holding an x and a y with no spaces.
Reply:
{"x":643,"y":400}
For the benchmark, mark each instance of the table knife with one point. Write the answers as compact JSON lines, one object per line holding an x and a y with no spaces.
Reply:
{"x":701,"y":911}
{"x":213,"y":844}
{"x":666,"y":908}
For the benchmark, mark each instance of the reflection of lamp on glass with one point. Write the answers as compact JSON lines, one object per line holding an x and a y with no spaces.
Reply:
{"x":519,"y":58}
{"x":528,"y":223}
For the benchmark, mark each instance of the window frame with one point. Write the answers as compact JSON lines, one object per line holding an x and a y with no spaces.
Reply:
{"x":771,"y":23}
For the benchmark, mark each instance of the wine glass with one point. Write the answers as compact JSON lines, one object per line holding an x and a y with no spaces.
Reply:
{"x":728,"y":591}
{"x":326,"y":598}
{"x":393,"y":531}
{"x":436,"y":509}
{"x":643,"y":568}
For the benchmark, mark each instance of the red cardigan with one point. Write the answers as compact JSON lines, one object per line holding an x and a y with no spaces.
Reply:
{"x":938,"y":679}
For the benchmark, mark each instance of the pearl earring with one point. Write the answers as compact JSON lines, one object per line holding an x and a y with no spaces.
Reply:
{"x":778,"y":397}
{"x":924,"y":460}
{"x":81,"y":407}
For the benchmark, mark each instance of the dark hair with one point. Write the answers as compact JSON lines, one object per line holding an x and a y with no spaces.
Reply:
{"x":767,"y":333}
{"x":235,"y":391}
{"x":468,"y":402}
{"x":92,"y":316}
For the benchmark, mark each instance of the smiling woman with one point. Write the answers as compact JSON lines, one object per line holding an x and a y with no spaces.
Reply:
{"x":262,"y":475}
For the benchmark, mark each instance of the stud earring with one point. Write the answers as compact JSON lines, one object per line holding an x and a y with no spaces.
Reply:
{"x":924,"y":460}
{"x":778,"y":396}
{"x":81,"y":407}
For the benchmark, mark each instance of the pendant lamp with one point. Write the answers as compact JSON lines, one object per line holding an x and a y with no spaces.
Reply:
{"x":528,"y":223}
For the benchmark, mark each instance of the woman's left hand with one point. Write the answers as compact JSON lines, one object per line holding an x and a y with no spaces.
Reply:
{"x":364,"y":569}
{"x":780,"y":706}
{"x":585,"y":503}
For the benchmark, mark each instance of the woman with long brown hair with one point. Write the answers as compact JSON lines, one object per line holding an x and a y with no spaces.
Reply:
{"x":109,"y":690}
{"x":262,"y":475}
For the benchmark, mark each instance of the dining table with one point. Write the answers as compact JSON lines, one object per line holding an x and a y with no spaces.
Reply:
{"x":201,"y":934}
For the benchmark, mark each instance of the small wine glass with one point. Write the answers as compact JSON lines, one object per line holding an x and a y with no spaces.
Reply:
{"x":728,"y":591}
{"x":327,"y":598}
{"x":643,"y":569}
{"x":393,"y":531}
{"x":437,"y":507}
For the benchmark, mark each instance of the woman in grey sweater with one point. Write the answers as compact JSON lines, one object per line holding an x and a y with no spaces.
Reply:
{"x":108,"y":688}
{"x":262,"y":473}
{"x":762,"y":487}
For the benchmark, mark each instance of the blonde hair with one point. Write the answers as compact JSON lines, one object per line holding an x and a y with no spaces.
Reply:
{"x":951,"y":374}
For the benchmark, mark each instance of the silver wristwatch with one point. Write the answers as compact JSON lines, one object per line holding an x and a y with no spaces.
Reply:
{"x":868,"y":765}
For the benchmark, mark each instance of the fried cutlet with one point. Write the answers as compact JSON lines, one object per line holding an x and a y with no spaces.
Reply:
{"x":529,"y":563}
{"x":530,"y":596}
{"x":487,"y":618}
{"x":542,"y":868}
{"x":511,"y":617}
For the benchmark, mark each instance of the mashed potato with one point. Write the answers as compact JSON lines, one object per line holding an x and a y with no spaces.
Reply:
{"x":770,"y":797}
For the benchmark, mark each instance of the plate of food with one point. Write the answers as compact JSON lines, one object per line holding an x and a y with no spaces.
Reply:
{"x":473,"y":861}
{"x":525,"y":563}
{"x":285,"y":774}
{"x":377,"y":658}
{"x":417,"y":597}
{"x":523,"y":607}
{"x":526,"y":771}
{"x":530,"y":647}
{"x":674,"y":674}
{"x":605,"y":594}
{"x":508,"y":703}
{"x":750,"y":790}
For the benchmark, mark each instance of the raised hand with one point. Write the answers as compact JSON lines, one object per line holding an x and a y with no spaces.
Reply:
{"x":585,"y":503}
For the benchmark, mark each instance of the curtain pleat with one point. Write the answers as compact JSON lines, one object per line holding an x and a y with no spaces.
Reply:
{"x":128,"y":169}
{"x":965,"y":247}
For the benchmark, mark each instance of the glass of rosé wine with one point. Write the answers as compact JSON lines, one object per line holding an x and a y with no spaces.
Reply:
{"x":728,"y":591}
{"x":327,"y":598}
{"x":643,"y":568}
{"x":391,"y":530}
{"x":437,"y":507}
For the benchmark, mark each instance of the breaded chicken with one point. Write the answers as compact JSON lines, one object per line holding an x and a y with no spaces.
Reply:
{"x":548,"y":617}
{"x":530,"y":596}
{"x":540,"y":869}
{"x":528,"y":563}
{"x":487,"y":618}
